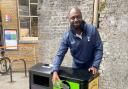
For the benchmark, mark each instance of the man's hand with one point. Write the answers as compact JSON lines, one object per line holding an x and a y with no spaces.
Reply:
{"x":93,"y":70}
{"x":55,"y":77}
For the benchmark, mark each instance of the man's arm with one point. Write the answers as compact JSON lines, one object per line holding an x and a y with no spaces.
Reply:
{"x":60,"y":53}
{"x":98,"y":51}
{"x":59,"y":58}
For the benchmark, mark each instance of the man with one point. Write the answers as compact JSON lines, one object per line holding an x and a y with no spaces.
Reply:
{"x":84,"y":42}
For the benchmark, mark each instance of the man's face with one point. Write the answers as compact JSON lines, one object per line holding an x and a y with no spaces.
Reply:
{"x":75,"y":18}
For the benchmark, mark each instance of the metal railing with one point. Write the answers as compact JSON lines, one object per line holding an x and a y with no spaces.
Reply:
{"x":27,"y":52}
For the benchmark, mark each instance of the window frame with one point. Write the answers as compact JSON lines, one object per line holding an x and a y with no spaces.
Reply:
{"x":30,"y":38}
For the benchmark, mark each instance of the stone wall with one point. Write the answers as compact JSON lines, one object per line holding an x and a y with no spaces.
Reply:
{"x":114,"y":31}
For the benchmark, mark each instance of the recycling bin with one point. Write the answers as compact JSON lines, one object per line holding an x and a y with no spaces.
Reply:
{"x":77,"y":79}
{"x":40,"y":78}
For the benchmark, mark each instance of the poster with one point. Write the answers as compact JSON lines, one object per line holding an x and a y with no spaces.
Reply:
{"x":10,"y":39}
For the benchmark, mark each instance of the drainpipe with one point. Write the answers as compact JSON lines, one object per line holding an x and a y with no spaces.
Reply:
{"x":95,"y":13}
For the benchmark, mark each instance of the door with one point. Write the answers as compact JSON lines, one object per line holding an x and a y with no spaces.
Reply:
{"x":1,"y":30}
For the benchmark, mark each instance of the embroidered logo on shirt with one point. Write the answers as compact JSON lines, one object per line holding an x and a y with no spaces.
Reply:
{"x":88,"y":38}
{"x":73,"y":42}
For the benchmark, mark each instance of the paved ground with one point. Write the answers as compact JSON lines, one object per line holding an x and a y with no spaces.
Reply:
{"x":19,"y":81}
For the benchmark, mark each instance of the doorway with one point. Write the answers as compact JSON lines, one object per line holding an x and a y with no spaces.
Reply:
{"x":1,"y":30}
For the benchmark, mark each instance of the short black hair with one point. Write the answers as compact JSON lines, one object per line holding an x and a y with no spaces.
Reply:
{"x":75,"y":8}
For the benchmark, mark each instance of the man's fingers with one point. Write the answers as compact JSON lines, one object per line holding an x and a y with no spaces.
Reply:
{"x":90,"y":70}
{"x":93,"y":70}
{"x":54,"y":80}
{"x":55,"y":77}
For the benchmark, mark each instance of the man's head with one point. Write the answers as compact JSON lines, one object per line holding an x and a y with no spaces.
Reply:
{"x":75,"y":17}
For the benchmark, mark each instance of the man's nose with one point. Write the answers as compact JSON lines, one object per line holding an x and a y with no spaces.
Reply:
{"x":76,"y":19}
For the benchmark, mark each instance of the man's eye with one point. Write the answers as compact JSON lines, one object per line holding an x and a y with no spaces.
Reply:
{"x":77,"y":17}
{"x":73,"y":18}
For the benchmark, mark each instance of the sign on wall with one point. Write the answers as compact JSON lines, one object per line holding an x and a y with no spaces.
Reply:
{"x":10,"y":37}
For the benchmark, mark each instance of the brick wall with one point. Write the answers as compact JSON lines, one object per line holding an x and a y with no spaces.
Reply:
{"x":28,"y":52}
{"x":9,"y":7}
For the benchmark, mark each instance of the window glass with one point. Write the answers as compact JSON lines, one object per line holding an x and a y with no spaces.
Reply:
{"x":34,"y":26}
{"x":23,"y":7}
{"x":34,"y":1}
{"x":33,"y":8}
{"x":24,"y":27}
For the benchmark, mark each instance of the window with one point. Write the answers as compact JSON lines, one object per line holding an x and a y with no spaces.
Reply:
{"x":24,"y":7}
{"x":28,"y":19}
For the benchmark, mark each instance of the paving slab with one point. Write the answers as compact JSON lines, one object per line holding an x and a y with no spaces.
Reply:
{"x":19,"y":81}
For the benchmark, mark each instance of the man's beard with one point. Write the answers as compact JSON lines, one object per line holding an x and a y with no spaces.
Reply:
{"x":76,"y":25}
